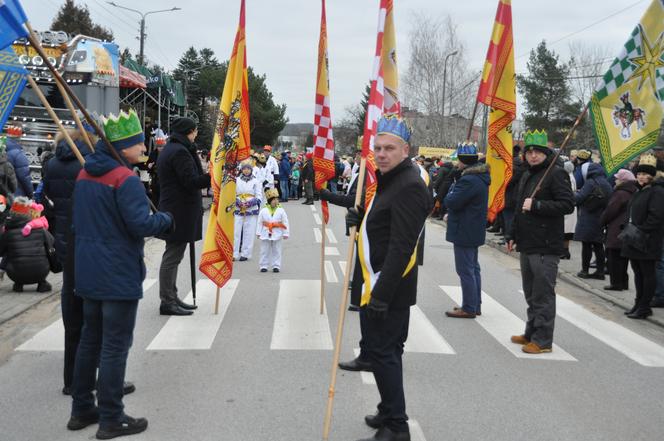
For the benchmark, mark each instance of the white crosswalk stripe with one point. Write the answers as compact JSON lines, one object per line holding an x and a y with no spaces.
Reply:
{"x":317,"y":219}
{"x":313,"y":208}
{"x":330,"y":274}
{"x":329,"y":236}
{"x":423,"y":335}
{"x":52,"y":338}
{"x":298,"y":324}
{"x":331,"y":251}
{"x":342,"y":265}
{"x":199,"y":332}
{"x":318,"y":235}
{"x":367,"y":377}
{"x":501,"y":324}
{"x":416,"y":433}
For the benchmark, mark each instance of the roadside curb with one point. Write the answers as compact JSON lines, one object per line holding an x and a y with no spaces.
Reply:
{"x":57,"y":287}
{"x":569,"y":278}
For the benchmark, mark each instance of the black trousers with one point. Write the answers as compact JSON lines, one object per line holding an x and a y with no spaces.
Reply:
{"x":617,"y":268}
{"x":72,"y":318}
{"x":384,"y":342}
{"x":587,"y":252}
{"x":645,"y":280}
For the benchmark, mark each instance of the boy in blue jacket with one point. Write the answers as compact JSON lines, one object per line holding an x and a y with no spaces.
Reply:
{"x":111,"y":218}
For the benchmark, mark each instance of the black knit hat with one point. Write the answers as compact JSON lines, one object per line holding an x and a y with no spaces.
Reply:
{"x":183,"y":125}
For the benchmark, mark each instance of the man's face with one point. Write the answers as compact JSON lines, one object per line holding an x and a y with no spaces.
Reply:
{"x":389,"y":151}
{"x":535,"y":157}
{"x":192,"y":136}
{"x":133,"y":153}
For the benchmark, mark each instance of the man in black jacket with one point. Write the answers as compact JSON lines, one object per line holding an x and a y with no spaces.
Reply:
{"x":387,"y":247}
{"x":538,"y":231}
{"x":181,"y":179}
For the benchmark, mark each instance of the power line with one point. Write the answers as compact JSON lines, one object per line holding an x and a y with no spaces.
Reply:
{"x":128,"y":23}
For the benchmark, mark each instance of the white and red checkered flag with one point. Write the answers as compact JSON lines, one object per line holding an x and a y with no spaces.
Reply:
{"x":323,"y":138}
{"x":384,"y":95}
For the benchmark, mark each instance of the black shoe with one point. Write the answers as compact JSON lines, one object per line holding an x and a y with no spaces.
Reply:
{"x":128,"y":388}
{"x":657,"y":303}
{"x":385,"y":434}
{"x":630,"y":311}
{"x":275,"y":270}
{"x":17,"y":287}
{"x":263,"y":270}
{"x":66,"y":390}
{"x":640,"y":314}
{"x":583,"y":275}
{"x":355,"y":365}
{"x":353,"y":308}
{"x":83,"y":421}
{"x":375,"y":421}
{"x":44,"y":286}
{"x":493,"y":229}
{"x":243,"y":259}
{"x":613,"y":288}
{"x":565,"y":256}
{"x":174,"y":309}
{"x":128,"y":426}
{"x":184,"y":305}
{"x":596,"y":275}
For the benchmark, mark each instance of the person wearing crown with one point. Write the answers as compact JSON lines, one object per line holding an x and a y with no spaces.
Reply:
{"x":644,"y":249}
{"x":181,"y":179}
{"x":467,"y":204}
{"x":387,"y":246}
{"x":272,"y":227}
{"x":538,"y":232}
{"x":111,"y":218}
{"x":249,"y":195}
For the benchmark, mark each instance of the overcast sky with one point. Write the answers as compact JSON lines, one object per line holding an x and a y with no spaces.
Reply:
{"x":282,"y":35}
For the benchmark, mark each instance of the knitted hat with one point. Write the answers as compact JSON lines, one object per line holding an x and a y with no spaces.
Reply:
{"x":647,"y":164}
{"x":123,"y":131}
{"x":271,"y":193}
{"x":467,"y":153}
{"x":183,"y":125}
{"x":267,"y":148}
{"x":537,"y":140}
{"x":625,"y":175}
{"x":21,"y":206}
{"x":246,"y":164}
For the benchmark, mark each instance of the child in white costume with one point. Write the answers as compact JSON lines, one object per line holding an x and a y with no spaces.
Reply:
{"x":248,"y":199}
{"x":272,"y":227}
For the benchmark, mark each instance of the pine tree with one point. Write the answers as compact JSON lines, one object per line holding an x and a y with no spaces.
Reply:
{"x":75,"y":20}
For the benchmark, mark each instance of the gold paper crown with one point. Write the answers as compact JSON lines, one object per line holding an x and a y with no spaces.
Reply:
{"x":648,"y":159}
{"x":271,"y":193}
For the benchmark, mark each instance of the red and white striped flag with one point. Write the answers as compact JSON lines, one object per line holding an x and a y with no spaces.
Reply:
{"x":384,"y":95}
{"x":323,"y":137}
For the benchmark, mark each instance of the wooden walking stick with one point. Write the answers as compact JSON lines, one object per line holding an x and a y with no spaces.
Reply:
{"x":342,"y":306}
{"x":322,"y":265}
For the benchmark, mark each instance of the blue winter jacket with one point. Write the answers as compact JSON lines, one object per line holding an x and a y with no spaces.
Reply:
{"x":467,"y":203}
{"x":17,"y":158}
{"x":111,"y":217}
{"x":284,"y":168}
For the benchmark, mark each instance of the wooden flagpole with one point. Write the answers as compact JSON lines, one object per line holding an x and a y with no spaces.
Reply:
{"x":74,"y":114}
{"x":216,"y":302}
{"x":343,"y":305}
{"x":322,"y":263}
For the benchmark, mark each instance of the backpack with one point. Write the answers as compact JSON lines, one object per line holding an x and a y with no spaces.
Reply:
{"x":597,"y":200}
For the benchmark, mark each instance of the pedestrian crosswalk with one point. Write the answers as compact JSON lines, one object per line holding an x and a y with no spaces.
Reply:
{"x":298,"y":325}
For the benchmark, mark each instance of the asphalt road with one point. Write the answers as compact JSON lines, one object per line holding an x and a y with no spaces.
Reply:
{"x":260,"y":370}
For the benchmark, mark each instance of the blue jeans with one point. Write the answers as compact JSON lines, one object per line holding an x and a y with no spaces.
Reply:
{"x":285,"y":191}
{"x":468,"y":269}
{"x":293,"y":189}
{"x":659,"y":270}
{"x":108,"y":332}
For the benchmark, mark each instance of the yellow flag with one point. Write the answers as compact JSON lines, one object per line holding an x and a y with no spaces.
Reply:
{"x":230,"y":146}
{"x":626,"y":109}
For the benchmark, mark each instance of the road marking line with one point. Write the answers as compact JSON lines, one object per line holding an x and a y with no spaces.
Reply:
{"x":629,"y":343}
{"x":331,"y":251}
{"x":317,"y":219}
{"x":501,"y":324}
{"x":318,"y":235}
{"x":331,"y":238}
{"x":330,"y":275}
{"x":298,"y":325}
{"x":367,"y":377}
{"x":313,"y":208}
{"x":52,"y":337}
{"x":423,"y":335}
{"x":197,"y":332}
{"x":342,"y":265}
{"x":416,"y":433}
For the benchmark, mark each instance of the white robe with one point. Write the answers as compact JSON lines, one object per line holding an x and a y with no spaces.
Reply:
{"x":272,"y":167}
{"x":245,"y":226}
{"x":271,"y":243}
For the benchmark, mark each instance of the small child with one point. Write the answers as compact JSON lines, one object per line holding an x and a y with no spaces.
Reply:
{"x":272,"y":227}
{"x":38,"y":221}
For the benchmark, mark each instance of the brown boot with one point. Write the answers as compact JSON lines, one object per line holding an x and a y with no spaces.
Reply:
{"x":534,"y":348}
{"x":460,"y":313}
{"x":520,"y":339}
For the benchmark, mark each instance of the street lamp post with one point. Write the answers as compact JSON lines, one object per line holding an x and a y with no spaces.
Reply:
{"x":143,"y":15}
{"x":444,"y":86}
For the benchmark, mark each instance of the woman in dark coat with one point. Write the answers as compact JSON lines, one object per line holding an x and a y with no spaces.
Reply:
{"x":614,"y":217}
{"x":181,"y":179}
{"x":588,"y":229}
{"x":646,"y":211}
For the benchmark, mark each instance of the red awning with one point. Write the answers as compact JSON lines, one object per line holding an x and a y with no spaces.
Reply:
{"x":131,"y":80}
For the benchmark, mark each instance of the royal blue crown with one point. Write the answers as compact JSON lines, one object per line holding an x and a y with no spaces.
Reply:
{"x":393,"y":125}
{"x":466,"y":149}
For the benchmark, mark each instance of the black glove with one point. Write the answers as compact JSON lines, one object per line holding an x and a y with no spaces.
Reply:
{"x":354,"y":217}
{"x":377,"y":309}
{"x":325,"y":194}
{"x":171,"y":228}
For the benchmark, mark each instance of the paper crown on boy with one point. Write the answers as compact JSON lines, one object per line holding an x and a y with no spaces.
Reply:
{"x":15,"y":131}
{"x":537,"y":139}
{"x":123,"y":131}
{"x":271,"y":193}
{"x":647,"y":164}
{"x":395,"y":126}
{"x":467,"y":153}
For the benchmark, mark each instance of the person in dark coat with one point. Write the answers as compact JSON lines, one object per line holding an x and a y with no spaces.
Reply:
{"x":111,"y":217}
{"x":518,"y":168}
{"x":181,"y":178}
{"x":27,"y":259}
{"x":538,"y":232}
{"x":440,"y":188}
{"x":390,"y":228}
{"x":19,"y":161}
{"x":467,"y":206}
{"x":591,"y":201}
{"x":583,"y":156}
{"x":7,"y":174}
{"x":646,"y":212}
{"x":284,"y":176}
{"x":307,"y":178}
{"x":613,"y":218}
